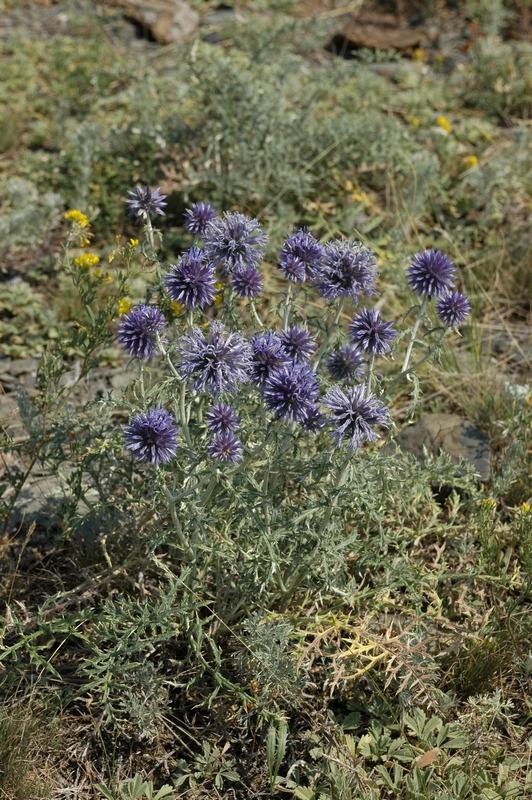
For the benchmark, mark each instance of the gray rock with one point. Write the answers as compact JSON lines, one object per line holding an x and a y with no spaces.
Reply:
{"x":454,"y":435}
{"x":168,"y":20}
{"x":23,"y":366}
{"x":40,"y":502}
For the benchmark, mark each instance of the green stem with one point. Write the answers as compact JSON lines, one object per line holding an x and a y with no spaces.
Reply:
{"x":287,"y":308}
{"x":417,"y":323}
{"x":329,"y":334}
{"x":183,"y":414}
{"x":254,"y":314}
{"x":371,"y":366}
{"x":177,"y":525}
{"x":415,"y":366}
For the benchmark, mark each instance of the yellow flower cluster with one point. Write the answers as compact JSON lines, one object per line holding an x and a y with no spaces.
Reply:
{"x":444,"y":123}
{"x":176,"y":307}
{"x":86,"y":261}
{"x":472,"y":161}
{"x":123,"y":307}
{"x":78,"y":217}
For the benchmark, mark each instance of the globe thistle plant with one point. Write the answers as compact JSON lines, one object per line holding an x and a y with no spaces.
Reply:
{"x":453,"y":309}
{"x":291,"y":392}
{"x":348,"y":269}
{"x":300,"y":257}
{"x":369,"y":333}
{"x":267,"y":354}
{"x":198,"y":216}
{"x":431,"y":273}
{"x":138,"y":331}
{"x":226,"y":448}
{"x":247,"y":282}
{"x":222,"y":418}
{"x":298,"y":343}
{"x":214,"y":361}
{"x":191,"y":282}
{"x":145,"y":203}
{"x":276,"y":401}
{"x":346,"y":363}
{"x":352,"y":415}
{"x":234,"y":240}
{"x":152,"y":437}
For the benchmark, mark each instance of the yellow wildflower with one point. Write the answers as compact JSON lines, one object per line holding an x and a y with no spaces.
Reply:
{"x":217,"y":300}
{"x":489,"y":502}
{"x":444,"y":123}
{"x":79,"y":217}
{"x":420,"y":54}
{"x":133,"y":242}
{"x":86,"y":261}
{"x":525,"y":508}
{"x":414,"y":121}
{"x":176,"y":307}
{"x":472,"y":161}
{"x":123,"y":307}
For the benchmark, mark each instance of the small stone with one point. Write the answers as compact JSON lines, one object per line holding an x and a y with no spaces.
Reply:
{"x":23,"y":366}
{"x":454,"y":435}
{"x":168,"y":20}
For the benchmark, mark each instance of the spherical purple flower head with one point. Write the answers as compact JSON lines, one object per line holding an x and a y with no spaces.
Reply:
{"x":345,"y":363}
{"x":190,"y":282}
{"x":431,"y":273}
{"x":234,"y":241}
{"x":197,"y":217}
{"x":247,"y":282}
{"x":267,"y":354}
{"x":370,"y":333}
{"x":300,"y":256}
{"x":152,"y":437}
{"x":314,"y":421}
{"x":353,"y":413}
{"x":138,"y":331}
{"x":146,"y":202}
{"x":453,"y":308}
{"x":291,"y":392}
{"x":225,"y":447}
{"x":348,"y":270}
{"x":298,"y":343}
{"x":221,"y":418}
{"x":215,"y":363}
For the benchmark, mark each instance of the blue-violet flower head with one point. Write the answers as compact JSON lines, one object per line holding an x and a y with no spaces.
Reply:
{"x":146,"y":202}
{"x":225,"y":447}
{"x":370,"y":333}
{"x":298,"y":343}
{"x":291,"y":392}
{"x":222,"y":418}
{"x":234,"y":240}
{"x":300,"y":256}
{"x":353,"y":413}
{"x":138,"y":331}
{"x":152,"y":437}
{"x":215,"y":361}
{"x":346,"y":363}
{"x":431,"y":273}
{"x":453,"y":308}
{"x":348,"y":269}
{"x":191,"y":282}
{"x":198,"y":216}
{"x":247,"y":281}
{"x":267,"y":354}
{"x":313,"y":421}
